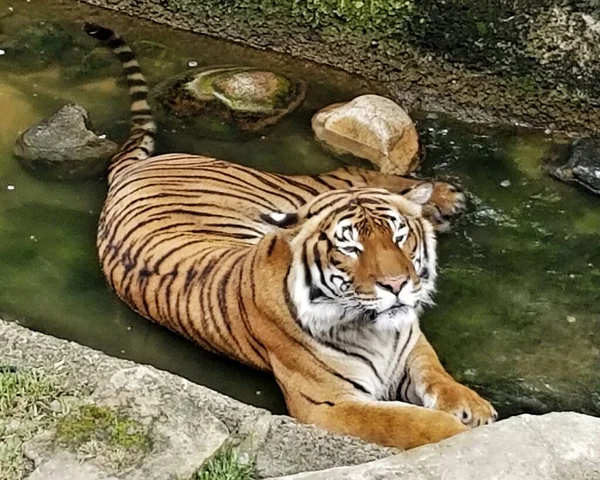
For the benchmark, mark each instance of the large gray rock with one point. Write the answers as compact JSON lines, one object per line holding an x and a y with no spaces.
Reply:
{"x":186,"y":422}
{"x":64,"y":146}
{"x":555,"y":446}
{"x":180,"y":442}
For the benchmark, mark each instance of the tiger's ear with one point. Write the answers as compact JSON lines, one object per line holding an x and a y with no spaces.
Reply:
{"x":420,"y":194}
{"x":281,"y":219}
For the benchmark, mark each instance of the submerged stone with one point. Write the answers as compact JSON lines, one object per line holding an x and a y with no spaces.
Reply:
{"x":225,"y":100}
{"x":370,"y":127}
{"x":582,"y":165}
{"x":64,"y":146}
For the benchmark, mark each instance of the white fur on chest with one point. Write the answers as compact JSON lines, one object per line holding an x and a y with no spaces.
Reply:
{"x":374,"y":354}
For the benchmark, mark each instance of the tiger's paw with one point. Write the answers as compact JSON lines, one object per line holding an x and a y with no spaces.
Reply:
{"x":445,"y":201}
{"x":460,"y":401}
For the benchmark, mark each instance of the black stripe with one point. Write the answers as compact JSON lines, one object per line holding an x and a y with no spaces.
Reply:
{"x":136,"y":82}
{"x":142,"y":111}
{"x":358,"y":356}
{"x":125,"y":56}
{"x":131,"y":69}
{"x":135,"y":96}
{"x":271,"y":246}
{"x":115,"y":42}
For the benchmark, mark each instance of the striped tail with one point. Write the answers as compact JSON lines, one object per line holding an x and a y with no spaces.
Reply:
{"x":140,"y":143}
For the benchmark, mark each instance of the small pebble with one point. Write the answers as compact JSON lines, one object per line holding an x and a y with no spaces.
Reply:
{"x":192,"y":63}
{"x":55,"y":406}
{"x":505,"y":183}
{"x":10,"y":187}
{"x":547,"y":131}
{"x":2,"y":52}
{"x":571,"y":319}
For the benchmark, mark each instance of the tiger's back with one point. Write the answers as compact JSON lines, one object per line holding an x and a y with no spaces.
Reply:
{"x":190,"y":213}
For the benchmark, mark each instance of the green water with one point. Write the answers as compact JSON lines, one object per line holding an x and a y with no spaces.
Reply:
{"x":517,"y":314}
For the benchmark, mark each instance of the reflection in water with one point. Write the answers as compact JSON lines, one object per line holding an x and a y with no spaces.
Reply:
{"x":517,"y":311}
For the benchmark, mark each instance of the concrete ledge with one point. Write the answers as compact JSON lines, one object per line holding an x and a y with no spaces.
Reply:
{"x":555,"y":446}
{"x":188,"y":422}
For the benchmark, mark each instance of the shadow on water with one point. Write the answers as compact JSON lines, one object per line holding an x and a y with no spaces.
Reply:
{"x":517,"y":314}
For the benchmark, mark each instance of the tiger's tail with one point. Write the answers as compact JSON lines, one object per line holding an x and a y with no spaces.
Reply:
{"x":140,"y":143}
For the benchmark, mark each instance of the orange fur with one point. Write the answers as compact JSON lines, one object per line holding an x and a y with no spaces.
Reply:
{"x":317,"y":279}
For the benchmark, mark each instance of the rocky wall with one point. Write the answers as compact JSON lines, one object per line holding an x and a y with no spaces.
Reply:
{"x":524,"y":62}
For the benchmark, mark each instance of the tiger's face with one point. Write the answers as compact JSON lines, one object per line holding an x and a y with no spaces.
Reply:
{"x":358,"y":254}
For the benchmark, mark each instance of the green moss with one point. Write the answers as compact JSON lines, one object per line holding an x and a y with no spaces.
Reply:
{"x":373,"y":18}
{"x":226,"y":465}
{"x":92,"y":422}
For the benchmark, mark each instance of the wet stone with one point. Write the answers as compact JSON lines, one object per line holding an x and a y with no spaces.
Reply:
{"x":370,"y":127}
{"x":64,"y":146}
{"x":582,"y":165}
{"x":220,"y":102}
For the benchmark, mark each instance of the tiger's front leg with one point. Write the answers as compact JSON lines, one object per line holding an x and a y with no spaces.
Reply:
{"x":436,"y":389}
{"x":445,"y":201}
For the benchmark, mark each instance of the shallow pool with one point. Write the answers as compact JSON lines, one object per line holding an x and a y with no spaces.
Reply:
{"x":518,"y":312}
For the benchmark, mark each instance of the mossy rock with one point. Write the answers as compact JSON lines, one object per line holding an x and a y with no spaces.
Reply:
{"x":225,"y":101}
{"x":115,"y":438}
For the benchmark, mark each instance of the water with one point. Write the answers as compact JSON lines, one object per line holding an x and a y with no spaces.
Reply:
{"x":517,"y":315}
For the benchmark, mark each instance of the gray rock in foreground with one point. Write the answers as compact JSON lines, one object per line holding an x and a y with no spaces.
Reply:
{"x":187,"y":422}
{"x":64,"y":147}
{"x":555,"y":446}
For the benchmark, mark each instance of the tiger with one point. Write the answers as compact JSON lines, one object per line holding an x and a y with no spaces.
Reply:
{"x":319,"y":280}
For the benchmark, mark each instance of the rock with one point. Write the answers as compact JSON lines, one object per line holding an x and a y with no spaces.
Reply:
{"x":550,"y":447}
{"x":37,"y":45}
{"x":66,"y":466}
{"x":63,"y":146}
{"x":370,"y":127}
{"x":227,"y":100}
{"x":185,"y":421}
{"x":141,"y":425}
{"x":582,"y":165}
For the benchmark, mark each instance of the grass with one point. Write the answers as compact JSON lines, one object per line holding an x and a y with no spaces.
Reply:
{"x":226,"y":465}
{"x":29,"y":402}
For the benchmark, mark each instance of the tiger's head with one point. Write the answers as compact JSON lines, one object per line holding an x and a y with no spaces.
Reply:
{"x":357,"y":254}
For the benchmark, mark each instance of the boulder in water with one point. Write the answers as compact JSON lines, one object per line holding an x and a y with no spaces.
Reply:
{"x":64,"y":146}
{"x":370,"y":127}
{"x":221,"y":100}
{"x":582,"y":165}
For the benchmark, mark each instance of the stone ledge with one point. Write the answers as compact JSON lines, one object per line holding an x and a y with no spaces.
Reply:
{"x":173,"y":407}
{"x":555,"y":446}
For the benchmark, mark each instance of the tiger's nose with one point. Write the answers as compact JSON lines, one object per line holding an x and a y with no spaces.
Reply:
{"x":393,"y":285}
